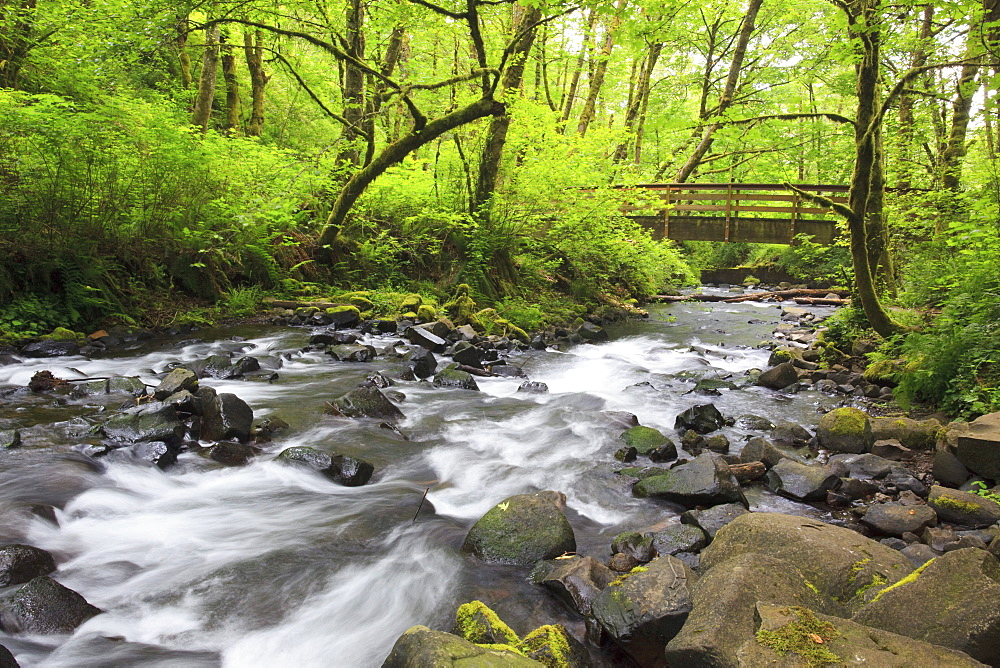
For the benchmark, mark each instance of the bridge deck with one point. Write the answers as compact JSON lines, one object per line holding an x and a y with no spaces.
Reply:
{"x":730,"y":212}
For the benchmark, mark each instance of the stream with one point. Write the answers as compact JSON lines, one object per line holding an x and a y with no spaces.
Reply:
{"x":274,"y":565}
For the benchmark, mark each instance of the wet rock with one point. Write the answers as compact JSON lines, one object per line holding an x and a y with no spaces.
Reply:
{"x":857,"y":489}
{"x":7,"y":659}
{"x":759,"y":449}
{"x":963,"y":508}
{"x":895,"y":520}
{"x":913,"y":434}
{"x":177,"y":380}
{"x":149,"y":422}
{"x":846,"y":643}
{"x":951,"y":602}
{"x":422,"y":362}
{"x":703,"y":419}
{"x":42,"y":349}
{"x":552,"y":645}
{"x":711,"y":386}
{"x":507,"y":371}
{"x":712,"y":519}
{"x":692,"y":441}
{"x":533,"y":387}
{"x":705,"y":480}
{"x":341,"y":469}
{"x":754,"y":422}
{"x":679,"y":538}
{"x":862,"y":467}
{"x":450,"y":377}
{"x":798,"y":481}
{"x":420,"y":647}
{"x":789,"y":433}
{"x":157,"y":453}
{"x":426,"y":339}
{"x":979,"y":447}
{"x":591,"y":332}
{"x":232,"y":454}
{"x":717,"y":443}
{"x":845,"y":430}
{"x":626,"y":454}
{"x":21,"y":563}
{"x":376,"y":379}
{"x":841,"y":563}
{"x":724,"y":607}
{"x":779,"y":377}
{"x":365,"y":401}
{"x":664,"y":453}
{"x":645,"y":439}
{"x":892,"y":450}
{"x":477,"y":623}
{"x":622,"y":563}
{"x":521,"y":530}
{"x":576,"y":581}
{"x":948,"y":470}
{"x":468,"y":355}
{"x":10,"y":439}
{"x":634,"y":544}
{"x":644,"y":610}
{"x":226,"y":417}
{"x":351,"y":353}
{"x":44,"y":606}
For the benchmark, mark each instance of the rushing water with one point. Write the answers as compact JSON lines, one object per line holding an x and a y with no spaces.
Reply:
{"x":270,"y":565}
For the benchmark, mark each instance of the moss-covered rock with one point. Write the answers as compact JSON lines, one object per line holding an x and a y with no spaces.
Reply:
{"x":957,"y":507}
{"x":452,"y":377}
{"x":705,"y":480}
{"x":846,"y":430}
{"x":913,"y":434}
{"x":522,"y":530}
{"x":643,"y":439}
{"x":343,"y":316}
{"x":420,"y":647}
{"x":63,"y":334}
{"x":426,"y":313}
{"x":477,"y":623}
{"x":461,"y":308}
{"x":410,"y":303}
{"x":553,"y":647}
{"x":365,"y":401}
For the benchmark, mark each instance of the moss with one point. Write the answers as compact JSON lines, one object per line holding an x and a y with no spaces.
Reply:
{"x":62,"y":334}
{"x":620,"y":580}
{"x":343,"y":309}
{"x":908,"y":579}
{"x":847,"y":421}
{"x":498,"y":647}
{"x":478,"y":624}
{"x":813,"y":588}
{"x":780,"y":356}
{"x":409,"y":315}
{"x":805,"y":637}
{"x":462,"y":308}
{"x":951,"y":502}
{"x":751,"y":280}
{"x":426,"y":312}
{"x":859,"y":566}
{"x":411,"y":302}
{"x":643,"y":439}
{"x":878,"y":580}
{"x":881,"y":370}
{"x":548,"y":645}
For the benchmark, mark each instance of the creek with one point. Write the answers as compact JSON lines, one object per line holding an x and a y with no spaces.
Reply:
{"x":273,"y":565}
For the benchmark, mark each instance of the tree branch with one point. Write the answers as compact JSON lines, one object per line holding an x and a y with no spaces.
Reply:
{"x":826,"y":202}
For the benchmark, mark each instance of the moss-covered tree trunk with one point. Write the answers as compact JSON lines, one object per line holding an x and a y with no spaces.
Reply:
{"x":232,"y":122}
{"x":183,"y":57}
{"x":600,"y":72}
{"x":253,"y":50}
{"x":206,"y":83}
{"x":574,"y":84}
{"x":18,"y":19}
{"x":353,"y":87}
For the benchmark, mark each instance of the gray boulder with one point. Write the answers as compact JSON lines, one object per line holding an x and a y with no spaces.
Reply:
{"x":806,"y":483}
{"x":704,"y":481}
{"x":149,"y":422}
{"x":634,"y":544}
{"x":948,"y":470}
{"x":913,"y":434}
{"x":230,"y":453}
{"x":522,"y":530}
{"x":862,"y":467}
{"x":365,"y":401}
{"x":979,"y":448}
{"x":351,"y":353}
{"x":712,"y":519}
{"x":420,"y":647}
{"x":789,"y":433}
{"x":576,"y":581}
{"x":175,"y":381}
{"x":44,"y":606}
{"x":950,"y":602}
{"x":341,"y":469}
{"x":679,"y":538}
{"x":226,"y":417}
{"x":643,"y":610}
{"x":424,"y":338}
{"x":21,"y":563}
{"x":723,"y":614}
{"x":845,"y":430}
{"x":703,"y":419}
{"x":779,"y":377}
{"x":450,"y":377}
{"x":893,"y":519}
{"x":971,"y":510}
{"x":841,"y":563}
{"x":157,"y":453}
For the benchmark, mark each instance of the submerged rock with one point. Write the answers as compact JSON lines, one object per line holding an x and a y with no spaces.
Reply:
{"x":522,"y":530}
{"x":44,"y":606}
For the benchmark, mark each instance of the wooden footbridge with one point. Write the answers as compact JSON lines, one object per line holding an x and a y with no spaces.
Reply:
{"x":767,"y":213}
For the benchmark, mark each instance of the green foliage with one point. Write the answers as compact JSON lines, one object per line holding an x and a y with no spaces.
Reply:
{"x":808,"y":261}
{"x":30,"y":315}
{"x":243,"y":301}
{"x":805,"y":637}
{"x":979,"y":489}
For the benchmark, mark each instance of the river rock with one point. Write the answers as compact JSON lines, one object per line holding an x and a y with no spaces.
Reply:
{"x":724,"y":602}
{"x":892,"y":449}
{"x":643,"y":610}
{"x":679,"y":538}
{"x":44,"y":606}
{"x":591,"y":332}
{"x":449,"y":377}
{"x":468,"y":354}
{"x":759,"y":449}
{"x":148,"y":422}
{"x":702,"y":419}
{"x":971,"y":510}
{"x":365,"y":401}
{"x":426,"y":339}
{"x":789,"y":433}
{"x":845,"y":430}
{"x":232,"y":454}
{"x":420,"y":647}
{"x":21,"y":563}
{"x":131,"y":385}
{"x":893,"y":519}
{"x":754,"y":422}
{"x":10,"y":439}
{"x":712,"y":519}
{"x":533,"y":387}
{"x":645,"y":440}
{"x":799,"y":481}
{"x":913,"y":434}
{"x":175,"y":381}
{"x":948,"y":470}
{"x":40,"y":349}
{"x":226,"y":417}
{"x":703,"y":481}
{"x":423,"y":362}
{"x":951,"y":602}
{"x":847,"y":643}
{"x":635,"y":545}
{"x":351,"y":353}
{"x":576,"y":581}
{"x":522,"y":530}
{"x":862,"y":467}
{"x":779,"y":377}
{"x":157,"y":453}
{"x":7,"y":659}
{"x":841,"y":563}
{"x":979,"y":447}
{"x":341,"y":469}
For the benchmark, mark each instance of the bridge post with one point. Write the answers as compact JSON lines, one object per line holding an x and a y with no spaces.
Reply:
{"x":729,"y":209}
{"x":666,"y":214}
{"x":795,"y":215}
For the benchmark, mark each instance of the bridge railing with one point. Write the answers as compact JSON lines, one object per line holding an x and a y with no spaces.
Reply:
{"x":753,"y":212}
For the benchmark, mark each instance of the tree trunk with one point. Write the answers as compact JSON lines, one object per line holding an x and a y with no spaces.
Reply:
{"x":232,"y":123}
{"x":206,"y":83}
{"x":394,"y":153}
{"x":183,"y":57}
{"x":906,"y":101}
{"x":353,"y":90}
{"x":574,"y":83}
{"x":635,"y":114}
{"x":950,"y":159}
{"x":728,"y":92}
{"x":600,"y":70}
{"x":15,"y":45}
{"x":496,"y":134}
{"x":253,"y":49}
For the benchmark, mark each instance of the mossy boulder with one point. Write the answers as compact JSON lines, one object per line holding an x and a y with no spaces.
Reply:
{"x":461,"y":308}
{"x":522,"y":530}
{"x":841,"y":563}
{"x":704,"y":481}
{"x":724,"y":602}
{"x":913,"y":434}
{"x":410,"y":303}
{"x":552,"y":646}
{"x":952,"y":602}
{"x":421,"y":647}
{"x":64,"y":334}
{"x":149,"y":422}
{"x":343,"y":316}
{"x":452,"y":377}
{"x":644,"y":609}
{"x":644,"y":439}
{"x":426,"y":313}
{"x":787,"y":636}
{"x":846,"y":430}
{"x":178,"y":380}
{"x":476,"y":623}
{"x":957,"y":507}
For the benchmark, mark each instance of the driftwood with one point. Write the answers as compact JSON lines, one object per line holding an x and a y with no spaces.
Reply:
{"x":748,"y":472}
{"x":818,"y":295}
{"x":822,"y":301}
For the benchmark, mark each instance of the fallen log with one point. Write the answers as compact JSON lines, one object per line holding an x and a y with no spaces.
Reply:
{"x":822,"y":301}
{"x":748,"y":472}
{"x":285,"y":303}
{"x":777,"y":295}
